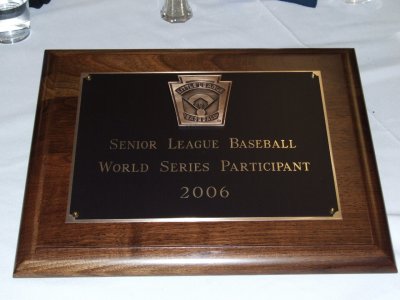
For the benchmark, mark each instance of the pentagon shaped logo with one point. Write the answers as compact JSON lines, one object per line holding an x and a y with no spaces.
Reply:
{"x":200,"y":100}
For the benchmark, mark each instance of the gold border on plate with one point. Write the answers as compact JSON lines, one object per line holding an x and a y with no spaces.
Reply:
{"x":337,"y":215}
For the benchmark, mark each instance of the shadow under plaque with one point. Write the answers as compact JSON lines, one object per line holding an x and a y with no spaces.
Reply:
{"x":202,"y":162}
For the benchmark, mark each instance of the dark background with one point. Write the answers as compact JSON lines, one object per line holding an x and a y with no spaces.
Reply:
{"x":271,"y":106}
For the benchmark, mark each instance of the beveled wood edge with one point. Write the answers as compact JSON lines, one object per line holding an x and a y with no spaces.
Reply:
{"x":290,"y":51}
{"x":210,"y":261}
{"x":377,"y":211}
{"x":26,"y":246}
{"x":380,"y":257}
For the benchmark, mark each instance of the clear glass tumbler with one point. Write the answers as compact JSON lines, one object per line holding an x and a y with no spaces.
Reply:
{"x":14,"y":21}
{"x":176,"y":11}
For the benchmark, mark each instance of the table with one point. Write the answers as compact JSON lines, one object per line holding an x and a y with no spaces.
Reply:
{"x":373,"y":29}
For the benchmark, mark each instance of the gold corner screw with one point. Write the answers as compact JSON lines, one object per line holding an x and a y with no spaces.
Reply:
{"x":75,"y":214}
{"x":332,"y":211}
{"x":88,"y":78}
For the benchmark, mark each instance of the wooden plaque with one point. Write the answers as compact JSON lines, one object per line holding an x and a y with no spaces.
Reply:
{"x":184,"y":162}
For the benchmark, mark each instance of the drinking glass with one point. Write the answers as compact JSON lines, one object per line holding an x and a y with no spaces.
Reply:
{"x":176,"y":11}
{"x":14,"y":21}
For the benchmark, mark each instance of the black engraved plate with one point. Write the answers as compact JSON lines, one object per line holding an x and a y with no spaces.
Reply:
{"x":270,"y":159}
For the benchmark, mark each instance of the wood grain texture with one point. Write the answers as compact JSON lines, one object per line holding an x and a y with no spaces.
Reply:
{"x":48,"y":246}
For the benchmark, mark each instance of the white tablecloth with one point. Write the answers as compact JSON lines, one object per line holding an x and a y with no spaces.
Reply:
{"x":373,"y":29}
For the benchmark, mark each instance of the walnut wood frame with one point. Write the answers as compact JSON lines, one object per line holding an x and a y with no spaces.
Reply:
{"x":48,"y":246}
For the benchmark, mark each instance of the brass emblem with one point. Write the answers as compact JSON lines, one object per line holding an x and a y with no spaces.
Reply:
{"x":200,"y":100}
